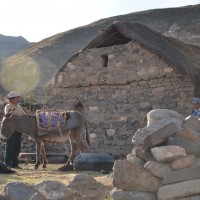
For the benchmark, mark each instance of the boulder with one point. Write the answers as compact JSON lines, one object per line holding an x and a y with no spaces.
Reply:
{"x":158,"y":169}
{"x":131,"y":176}
{"x":196,"y":197}
{"x":37,"y":196}
{"x":177,"y":190}
{"x":168,"y":153}
{"x":158,"y":137}
{"x":88,"y":187}
{"x":184,"y":162}
{"x":192,"y":122}
{"x":18,"y":191}
{"x":190,"y":147}
{"x":55,"y":190}
{"x":118,"y":194}
{"x":134,"y":159}
{"x":181,"y":175}
{"x":189,"y":134}
{"x":160,"y":114}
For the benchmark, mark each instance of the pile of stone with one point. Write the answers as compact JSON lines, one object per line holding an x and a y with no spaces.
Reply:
{"x":164,"y":163}
{"x":81,"y":187}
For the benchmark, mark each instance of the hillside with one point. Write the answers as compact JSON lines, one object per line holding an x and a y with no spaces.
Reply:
{"x":9,"y":45}
{"x":50,"y":54}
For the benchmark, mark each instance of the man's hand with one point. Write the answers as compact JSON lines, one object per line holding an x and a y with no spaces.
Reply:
{"x":9,"y":113}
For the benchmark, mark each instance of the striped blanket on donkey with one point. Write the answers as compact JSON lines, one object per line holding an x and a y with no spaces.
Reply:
{"x":48,"y":121}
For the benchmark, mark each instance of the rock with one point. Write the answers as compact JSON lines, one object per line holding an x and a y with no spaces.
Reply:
{"x":160,"y":114}
{"x":118,"y":194}
{"x":139,"y":136}
{"x":145,"y":156}
{"x":192,"y":122}
{"x":88,"y":187}
{"x":18,"y":191}
{"x":93,"y":162}
{"x":177,"y":190}
{"x":189,"y":146}
{"x":154,"y":126}
{"x":130,"y":176}
{"x":134,"y":159}
{"x":37,"y":196}
{"x":157,"y":169}
{"x":181,"y":175}
{"x":168,"y":153}
{"x":184,"y":162}
{"x":189,"y":198}
{"x":159,"y":136}
{"x":188,"y":134}
{"x":55,"y":190}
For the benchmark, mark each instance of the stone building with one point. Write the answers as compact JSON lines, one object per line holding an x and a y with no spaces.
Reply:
{"x":122,"y":74}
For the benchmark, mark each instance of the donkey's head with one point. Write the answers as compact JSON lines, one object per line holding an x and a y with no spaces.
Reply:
{"x":7,"y":127}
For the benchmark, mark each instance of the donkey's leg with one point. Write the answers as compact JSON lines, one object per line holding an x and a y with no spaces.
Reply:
{"x":45,"y":161}
{"x":72,"y":140}
{"x":80,"y":145}
{"x":38,"y":151}
{"x":77,"y":137}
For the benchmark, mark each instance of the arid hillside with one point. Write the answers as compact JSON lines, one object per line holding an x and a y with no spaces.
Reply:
{"x":9,"y":45}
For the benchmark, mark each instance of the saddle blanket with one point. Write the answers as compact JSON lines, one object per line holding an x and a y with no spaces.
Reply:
{"x":49,"y":121}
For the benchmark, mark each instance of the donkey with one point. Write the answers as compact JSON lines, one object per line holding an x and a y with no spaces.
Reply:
{"x":29,"y":126}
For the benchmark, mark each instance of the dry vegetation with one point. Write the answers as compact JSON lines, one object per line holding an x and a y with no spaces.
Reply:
{"x":30,"y":176}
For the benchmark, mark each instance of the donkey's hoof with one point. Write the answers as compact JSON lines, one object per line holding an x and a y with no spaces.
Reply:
{"x":66,"y":168}
{"x":36,"y":167}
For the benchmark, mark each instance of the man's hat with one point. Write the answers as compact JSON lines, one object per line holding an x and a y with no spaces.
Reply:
{"x":196,"y":100}
{"x":13,"y":95}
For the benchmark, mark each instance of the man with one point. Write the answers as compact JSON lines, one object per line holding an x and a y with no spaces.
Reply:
{"x":196,"y":107}
{"x":13,"y":144}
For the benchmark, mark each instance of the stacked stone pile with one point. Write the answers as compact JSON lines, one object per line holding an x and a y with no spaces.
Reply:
{"x":164,"y":163}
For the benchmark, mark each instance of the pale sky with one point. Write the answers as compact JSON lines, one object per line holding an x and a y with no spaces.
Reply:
{"x":38,"y":19}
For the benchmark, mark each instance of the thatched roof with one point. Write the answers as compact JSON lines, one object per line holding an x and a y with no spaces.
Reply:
{"x":182,"y":57}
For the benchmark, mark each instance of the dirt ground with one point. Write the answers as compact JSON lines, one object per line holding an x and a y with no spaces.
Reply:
{"x":30,"y":176}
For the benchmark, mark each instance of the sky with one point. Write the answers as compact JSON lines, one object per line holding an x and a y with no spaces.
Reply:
{"x":38,"y":19}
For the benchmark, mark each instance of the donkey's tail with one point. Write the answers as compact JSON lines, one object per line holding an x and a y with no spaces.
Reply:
{"x":87,"y":134}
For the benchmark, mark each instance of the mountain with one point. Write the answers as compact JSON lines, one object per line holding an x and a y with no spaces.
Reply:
{"x":9,"y":45}
{"x":48,"y":55}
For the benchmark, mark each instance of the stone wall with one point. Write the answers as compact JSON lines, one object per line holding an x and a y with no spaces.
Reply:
{"x":116,"y":87}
